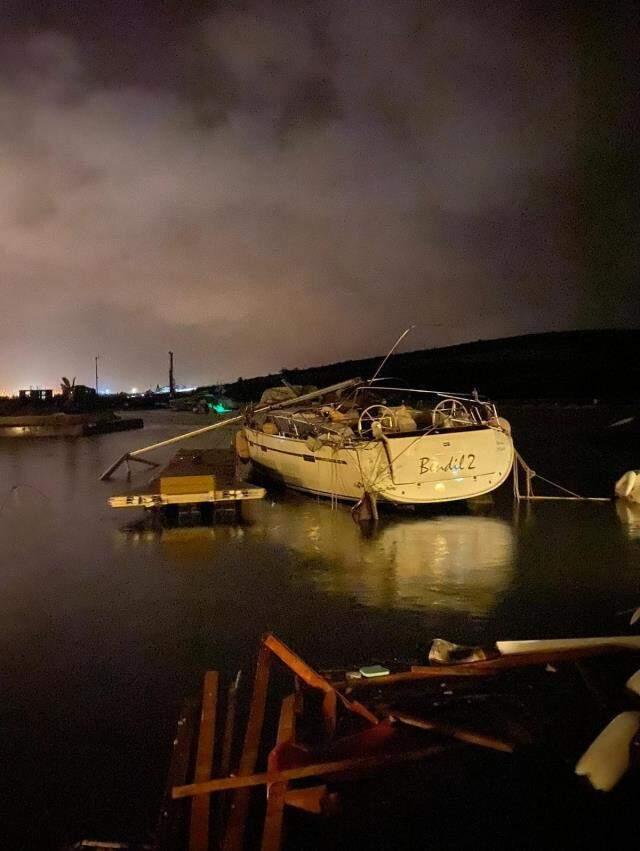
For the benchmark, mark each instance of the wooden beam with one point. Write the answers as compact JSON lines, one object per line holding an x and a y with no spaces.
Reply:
{"x":229,"y":725}
{"x":199,"y":827}
{"x":296,"y":664}
{"x":317,"y":769}
{"x":453,"y":732}
{"x":240,"y":805}
{"x":329,"y":712}
{"x":485,"y":667}
{"x":168,"y":832}
{"x":311,"y":799}
{"x":313,"y":679}
{"x":274,"y":816}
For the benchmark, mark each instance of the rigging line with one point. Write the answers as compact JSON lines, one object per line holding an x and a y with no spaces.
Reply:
{"x":391,"y":351}
{"x":444,"y":393}
{"x":533,"y":474}
{"x":556,"y":485}
{"x":379,"y":470}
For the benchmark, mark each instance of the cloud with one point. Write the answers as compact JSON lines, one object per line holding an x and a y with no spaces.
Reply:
{"x":309,"y":179}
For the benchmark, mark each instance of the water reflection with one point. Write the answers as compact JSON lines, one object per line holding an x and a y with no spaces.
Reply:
{"x":629,"y":514}
{"x":456,"y":562}
{"x":459,"y":563}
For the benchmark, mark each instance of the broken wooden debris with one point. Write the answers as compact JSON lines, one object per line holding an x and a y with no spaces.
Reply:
{"x":229,"y":725}
{"x":315,"y":680}
{"x":347,"y":749}
{"x":485,"y":667}
{"x":318,"y":769}
{"x":450,"y":731}
{"x":277,"y":792}
{"x":240,"y":804}
{"x":170,"y":820}
{"x":199,"y":826}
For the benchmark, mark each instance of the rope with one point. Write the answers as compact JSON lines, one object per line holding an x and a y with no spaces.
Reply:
{"x":530,"y":475}
{"x":14,"y":489}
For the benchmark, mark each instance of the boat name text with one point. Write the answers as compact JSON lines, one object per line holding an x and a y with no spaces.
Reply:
{"x":455,"y":464}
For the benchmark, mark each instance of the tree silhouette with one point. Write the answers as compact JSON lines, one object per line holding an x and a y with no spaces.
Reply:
{"x":68,"y":388}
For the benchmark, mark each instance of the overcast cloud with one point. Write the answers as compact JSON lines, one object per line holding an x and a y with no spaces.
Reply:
{"x":270,"y":185}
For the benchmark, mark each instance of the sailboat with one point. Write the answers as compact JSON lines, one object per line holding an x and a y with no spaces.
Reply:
{"x":392,"y":443}
{"x":365,"y":441}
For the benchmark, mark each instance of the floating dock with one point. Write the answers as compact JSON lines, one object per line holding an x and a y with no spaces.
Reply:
{"x":65,"y":425}
{"x":192,"y":477}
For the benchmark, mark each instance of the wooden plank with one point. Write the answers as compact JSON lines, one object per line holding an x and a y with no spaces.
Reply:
{"x":240,"y":806}
{"x":545,"y":645}
{"x":310,"y":799}
{"x":482,"y":668}
{"x":313,"y":679}
{"x":454,"y":732}
{"x":317,"y":769}
{"x":329,"y":713}
{"x":169,"y":825}
{"x":199,"y":827}
{"x":229,"y":726}
{"x":296,"y":664}
{"x":274,"y":817}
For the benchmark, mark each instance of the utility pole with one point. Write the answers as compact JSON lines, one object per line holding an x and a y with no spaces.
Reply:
{"x":172,"y":383}
{"x":97,"y":358}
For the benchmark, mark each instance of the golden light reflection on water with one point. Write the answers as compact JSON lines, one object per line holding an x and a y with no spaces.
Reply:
{"x":629,"y":514}
{"x":459,"y":563}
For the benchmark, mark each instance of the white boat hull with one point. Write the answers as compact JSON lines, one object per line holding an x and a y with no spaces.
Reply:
{"x":410,"y":469}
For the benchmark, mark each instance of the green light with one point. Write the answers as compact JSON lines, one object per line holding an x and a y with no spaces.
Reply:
{"x":219,"y":408}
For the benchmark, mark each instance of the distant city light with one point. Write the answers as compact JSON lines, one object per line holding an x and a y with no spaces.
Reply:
{"x":134,"y":389}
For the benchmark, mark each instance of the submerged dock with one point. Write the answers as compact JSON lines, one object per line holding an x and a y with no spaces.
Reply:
{"x":192,"y":477}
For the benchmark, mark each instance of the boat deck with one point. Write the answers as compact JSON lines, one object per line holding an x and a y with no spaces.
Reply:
{"x":192,"y":476}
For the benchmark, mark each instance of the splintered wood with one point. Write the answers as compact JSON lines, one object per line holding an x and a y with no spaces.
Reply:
{"x":199,"y":827}
{"x":245,"y":778}
{"x":327,"y":738}
{"x":272,"y":833}
{"x":388,"y":746}
{"x":240,"y":806}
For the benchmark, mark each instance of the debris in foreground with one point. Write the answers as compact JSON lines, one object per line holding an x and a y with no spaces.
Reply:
{"x":349,"y":756}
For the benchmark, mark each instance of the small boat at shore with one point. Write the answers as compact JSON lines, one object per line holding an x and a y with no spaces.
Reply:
{"x":383,"y":442}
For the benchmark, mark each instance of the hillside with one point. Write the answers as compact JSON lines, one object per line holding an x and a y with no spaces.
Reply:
{"x":567,"y":365}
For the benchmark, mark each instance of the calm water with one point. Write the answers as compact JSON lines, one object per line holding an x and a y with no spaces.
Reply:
{"x":106,"y":624}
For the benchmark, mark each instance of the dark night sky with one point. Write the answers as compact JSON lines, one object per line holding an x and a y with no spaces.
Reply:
{"x":260,"y":185}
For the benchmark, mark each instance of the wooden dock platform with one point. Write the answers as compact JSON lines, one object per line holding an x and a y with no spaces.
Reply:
{"x":193,"y":476}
